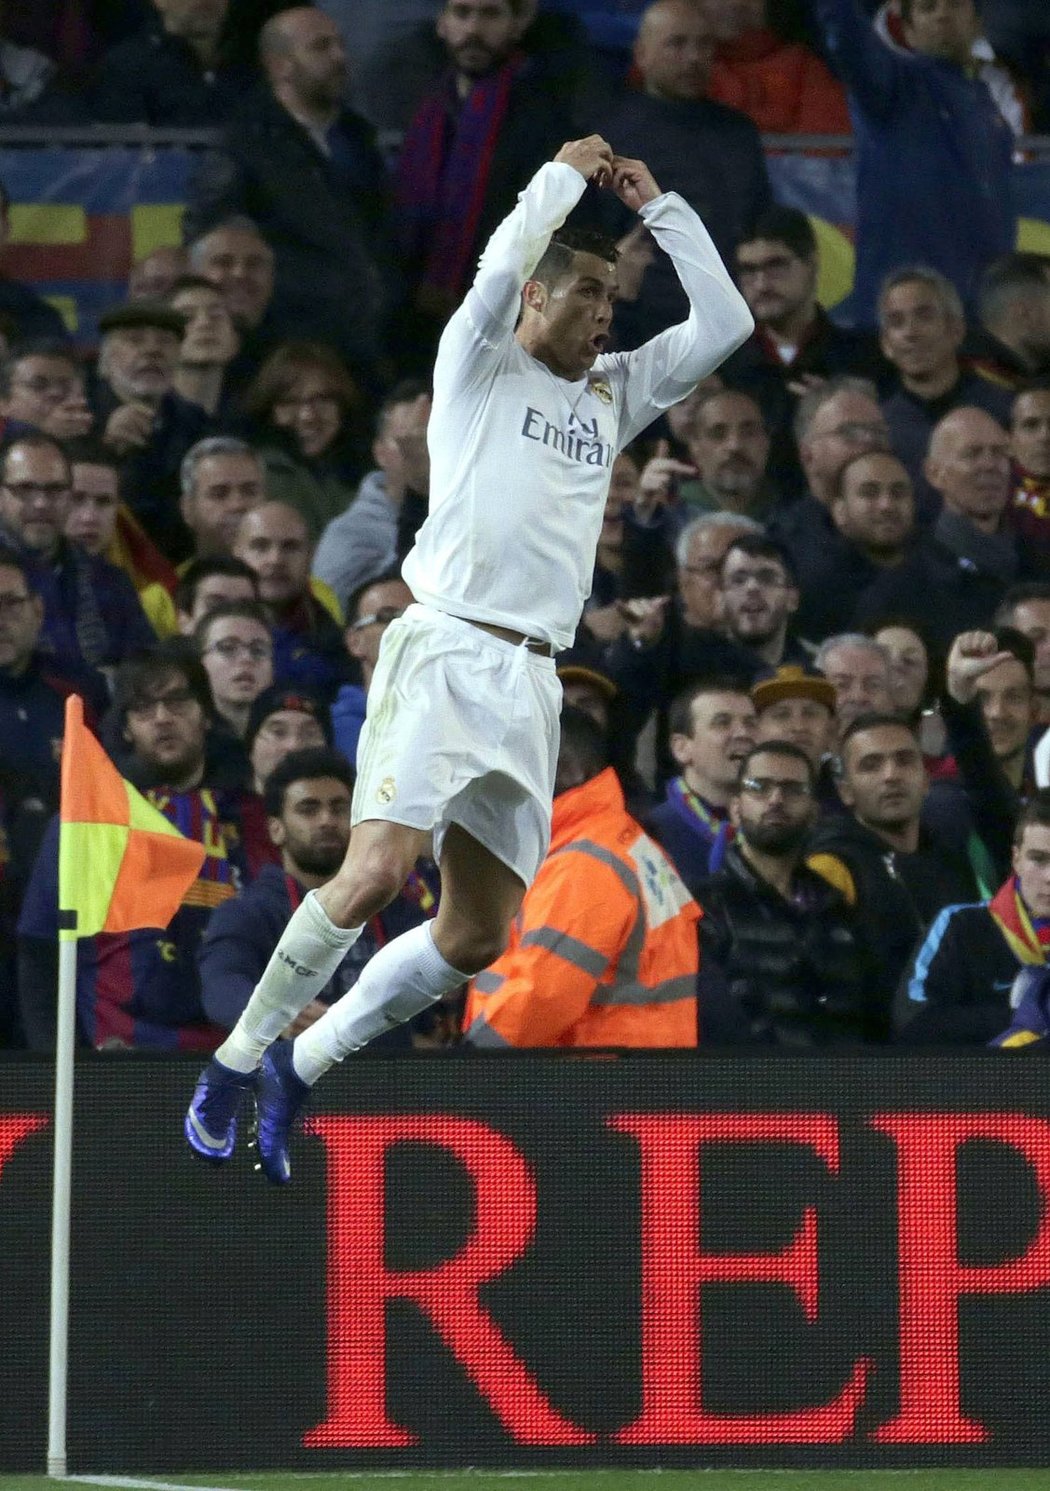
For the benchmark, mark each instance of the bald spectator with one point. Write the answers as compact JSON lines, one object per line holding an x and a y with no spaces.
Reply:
{"x":834,"y":422}
{"x":729,"y":446}
{"x":306,"y":170}
{"x":873,"y":514}
{"x":933,"y":151}
{"x":954,"y":582}
{"x":143,"y":419}
{"x":859,"y":670}
{"x":176,"y":71}
{"x":922,"y":326}
{"x":1012,"y":343}
{"x":476,"y":137}
{"x":273,"y":540}
{"x":363,"y":541}
{"x":222,"y":478}
{"x":710,"y":154}
{"x":794,"y":341}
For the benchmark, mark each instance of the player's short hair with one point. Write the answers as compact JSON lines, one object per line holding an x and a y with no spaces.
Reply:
{"x":786,"y":225}
{"x":202,"y":569}
{"x":557,"y":259}
{"x":680,"y":715}
{"x":1036,"y":812}
{"x":302,"y":766}
{"x":583,"y":744}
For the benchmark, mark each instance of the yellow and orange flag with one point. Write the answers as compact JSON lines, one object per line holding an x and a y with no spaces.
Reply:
{"x":121,"y":864}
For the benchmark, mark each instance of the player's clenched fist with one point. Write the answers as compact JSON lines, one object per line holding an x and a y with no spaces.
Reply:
{"x":592,"y":157}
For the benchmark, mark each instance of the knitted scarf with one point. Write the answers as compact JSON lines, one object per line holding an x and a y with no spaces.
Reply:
{"x":443,"y":175}
{"x":1028,"y":943}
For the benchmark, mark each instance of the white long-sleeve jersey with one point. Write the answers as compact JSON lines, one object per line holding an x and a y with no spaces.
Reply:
{"x":519,"y":458}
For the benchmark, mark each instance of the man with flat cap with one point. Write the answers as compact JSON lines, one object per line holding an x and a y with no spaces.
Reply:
{"x":142,"y":419}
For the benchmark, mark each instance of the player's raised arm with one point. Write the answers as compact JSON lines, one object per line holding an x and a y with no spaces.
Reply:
{"x":668,"y":366}
{"x":518,"y":244}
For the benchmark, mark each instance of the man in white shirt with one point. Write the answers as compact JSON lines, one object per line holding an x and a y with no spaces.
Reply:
{"x":462,"y":733}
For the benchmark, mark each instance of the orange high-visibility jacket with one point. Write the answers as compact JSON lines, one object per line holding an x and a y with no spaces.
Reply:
{"x":604,"y":951}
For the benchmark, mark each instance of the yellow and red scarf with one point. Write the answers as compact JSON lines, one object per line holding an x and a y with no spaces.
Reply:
{"x":1028,"y":944}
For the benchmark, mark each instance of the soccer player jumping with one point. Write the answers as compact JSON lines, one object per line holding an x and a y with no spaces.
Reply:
{"x":462,"y":729}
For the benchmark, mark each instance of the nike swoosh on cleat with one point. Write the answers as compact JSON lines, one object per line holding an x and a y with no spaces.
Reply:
{"x":206,"y":1139}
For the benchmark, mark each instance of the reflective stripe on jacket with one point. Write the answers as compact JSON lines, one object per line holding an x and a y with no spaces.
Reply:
{"x":604,"y":951}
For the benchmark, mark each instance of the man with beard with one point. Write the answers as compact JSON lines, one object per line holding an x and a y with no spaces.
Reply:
{"x":898,"y":872}
{"x":473,"y":141}
{"x":307,"y":799}
{"x":783,"y":961}
{"x":729,"y":446}
{"x":305,"y":169}
{"x":759,"y":598}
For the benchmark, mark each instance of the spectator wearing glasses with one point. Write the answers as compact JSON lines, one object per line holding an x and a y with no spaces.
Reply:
{"x":140,"y":990}
{"x":372,"y":607}
{"x":795,"y":341}
{"x":759,"y":598}
{"x":783,"y":961}
{"x":236,"y":648}
{"x":42,"y":388}
{"x":304,"y":407}
{"x":833,"y":423}
{"x":92,"y":616}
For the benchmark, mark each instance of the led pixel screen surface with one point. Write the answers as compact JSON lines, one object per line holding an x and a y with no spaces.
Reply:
{"x":647,"y":1260}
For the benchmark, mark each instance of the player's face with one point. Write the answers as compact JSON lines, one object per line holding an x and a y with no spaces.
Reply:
{"x":578,"y":312}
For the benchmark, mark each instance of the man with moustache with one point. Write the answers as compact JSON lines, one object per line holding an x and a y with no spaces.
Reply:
{"x":783,"y":961}
{"x":759,"y":598}
{"x":729,"y":447}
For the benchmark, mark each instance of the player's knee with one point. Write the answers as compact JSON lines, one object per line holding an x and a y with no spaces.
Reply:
{"x":367,"y":885}
{"x":470,"y":948}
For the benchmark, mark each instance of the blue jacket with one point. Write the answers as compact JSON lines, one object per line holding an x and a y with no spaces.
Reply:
{"x":933,"y":160}
{"x":244,"y":931}
{"x":348,"y":715}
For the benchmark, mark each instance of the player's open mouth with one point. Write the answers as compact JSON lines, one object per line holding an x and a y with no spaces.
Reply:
{"x":600,"y":342}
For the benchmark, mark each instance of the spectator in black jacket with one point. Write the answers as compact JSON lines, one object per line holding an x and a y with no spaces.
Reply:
{"x":308,"y":812}
{"x":898,"y":873}
{"x":783,"y":961}
{"x":175,"y":71}
{"x":306,"y":170}
{"x":958,"y":989}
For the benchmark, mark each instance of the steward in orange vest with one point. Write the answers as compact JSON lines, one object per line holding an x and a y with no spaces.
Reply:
{"x":604,"y":951}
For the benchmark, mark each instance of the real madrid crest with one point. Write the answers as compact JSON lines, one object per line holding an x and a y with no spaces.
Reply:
{"x":386,"y":790}
{"x":600,"y":388}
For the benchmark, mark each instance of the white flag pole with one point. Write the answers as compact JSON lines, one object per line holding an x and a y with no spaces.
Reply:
{"x":60,"y":1205}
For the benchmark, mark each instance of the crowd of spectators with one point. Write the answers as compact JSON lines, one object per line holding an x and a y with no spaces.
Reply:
{"x":815,"y":663}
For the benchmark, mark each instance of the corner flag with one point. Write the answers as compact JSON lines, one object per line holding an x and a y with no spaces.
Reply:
{"x":121,"y":864}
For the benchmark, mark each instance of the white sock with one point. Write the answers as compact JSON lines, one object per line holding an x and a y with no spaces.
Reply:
{"x":309,"y":952}
{"x":402,"y":979}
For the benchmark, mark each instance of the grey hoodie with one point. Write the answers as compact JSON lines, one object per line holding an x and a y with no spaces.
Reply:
{"x":361,"y":542}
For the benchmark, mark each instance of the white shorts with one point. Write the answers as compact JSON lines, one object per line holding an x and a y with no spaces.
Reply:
{"x":462,"y":727}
